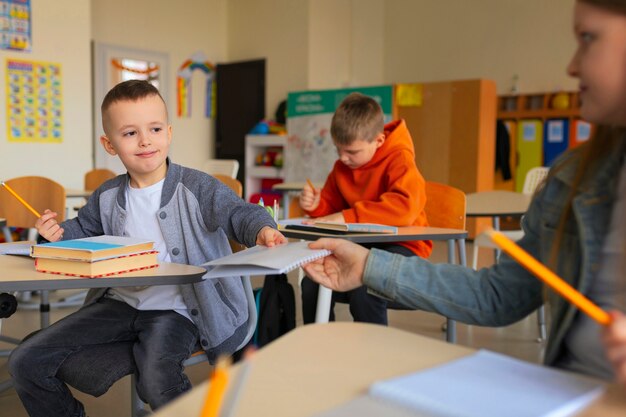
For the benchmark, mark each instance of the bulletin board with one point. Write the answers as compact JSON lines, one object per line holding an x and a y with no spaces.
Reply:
{"x":15,"y":31}
{"x":310,"y":152}
{"x":34,"y":101}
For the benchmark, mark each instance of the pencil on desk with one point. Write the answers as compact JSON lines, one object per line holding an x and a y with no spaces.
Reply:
{"x":217,"y":388}
{"x":308,"y":181}
{"x":549,"y":277}
{"x":235,"y":392}
{"x":20,"y":199}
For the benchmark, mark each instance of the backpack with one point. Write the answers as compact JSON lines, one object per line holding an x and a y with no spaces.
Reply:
{"x":276,"y":306}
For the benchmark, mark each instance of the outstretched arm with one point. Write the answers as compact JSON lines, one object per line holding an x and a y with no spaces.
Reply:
{"x":343,"y":269}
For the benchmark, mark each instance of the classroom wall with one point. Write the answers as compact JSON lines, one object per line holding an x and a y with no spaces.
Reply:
{"x":178,"y":29}
{"x":428,"y":40}
{"x":60,"y":34}
{"x":276,"y":30}
{"x":345,"y":43}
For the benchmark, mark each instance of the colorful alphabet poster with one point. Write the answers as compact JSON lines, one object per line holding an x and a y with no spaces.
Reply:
{"x":15,"y":25}
{"x":34,"y":101}
{"x":310,"y":152}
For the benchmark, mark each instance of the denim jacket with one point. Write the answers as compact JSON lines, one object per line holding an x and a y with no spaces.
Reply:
{"x":505,"y":293}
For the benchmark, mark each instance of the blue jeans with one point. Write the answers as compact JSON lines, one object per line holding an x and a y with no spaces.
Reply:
{"x":94,"y":347}
{"x":364,"y":307}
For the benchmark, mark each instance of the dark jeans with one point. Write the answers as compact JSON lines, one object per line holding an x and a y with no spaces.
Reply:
{"x":94,"y":347}
{"x":364,"y":307}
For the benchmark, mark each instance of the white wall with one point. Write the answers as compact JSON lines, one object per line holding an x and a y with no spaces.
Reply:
{"x":307,"y":44}
{"x":60,"y":34}
{"x":178,"y":29}
{"x":276,"y":30}
{"x":428,"y":40}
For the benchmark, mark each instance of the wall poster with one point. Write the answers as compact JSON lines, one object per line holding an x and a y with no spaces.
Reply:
{"x":15,"y":31}
{"x":310,"y":152}
{"x":34,"y":101}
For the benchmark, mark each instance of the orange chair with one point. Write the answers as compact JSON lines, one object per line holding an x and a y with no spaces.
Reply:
{"x":41,"y":193}
{"x":95,"y":178}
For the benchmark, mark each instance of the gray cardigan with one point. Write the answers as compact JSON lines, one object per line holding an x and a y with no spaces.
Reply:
{"x":197,"y":216}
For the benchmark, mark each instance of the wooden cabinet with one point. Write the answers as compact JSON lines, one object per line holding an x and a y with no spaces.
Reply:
{"x":257,"y":146}
{"x":453,"y":130}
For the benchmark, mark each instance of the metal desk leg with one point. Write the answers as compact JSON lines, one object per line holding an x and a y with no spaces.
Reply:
{"x":451,"y":324}
{"x":324,"y":298}
{"x":496,"y":226}
{"x":286,"y":202}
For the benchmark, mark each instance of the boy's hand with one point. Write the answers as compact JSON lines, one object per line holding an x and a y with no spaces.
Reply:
{"x":335,"y":217}
{"x":614,"y":338}
{"x":48,"y":227}
{"x":270,"y":237}
{"x":309,"y":198}
{"x":341,"y":271}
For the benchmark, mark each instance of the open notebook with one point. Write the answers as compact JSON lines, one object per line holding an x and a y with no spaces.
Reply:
{"x":484,"y":384}
{"x":261,"y":260}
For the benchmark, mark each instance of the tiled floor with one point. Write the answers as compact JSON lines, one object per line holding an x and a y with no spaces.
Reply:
{"x":519,"y":340}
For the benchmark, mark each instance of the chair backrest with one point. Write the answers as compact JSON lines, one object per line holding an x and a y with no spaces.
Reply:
{"x":534,"y":177}
{"x":228,"y":167}
{"x":40,"y":192}
{"x":236,"y":186}
{"x":294,"y":207}
{"x":233,"y":183}
{"x":445,"y":206}
{"x":95,"y":178}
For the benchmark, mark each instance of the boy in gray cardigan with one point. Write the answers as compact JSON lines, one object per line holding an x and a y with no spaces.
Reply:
{"x":148,"y":331}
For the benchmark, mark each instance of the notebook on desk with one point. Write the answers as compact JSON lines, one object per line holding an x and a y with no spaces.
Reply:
{"x":336,"y":228}
{"x":261,"y":260}
{"x":484,"y":384}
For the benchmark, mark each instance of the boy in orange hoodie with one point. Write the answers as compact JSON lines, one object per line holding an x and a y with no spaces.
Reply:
{"x":375,"y":180}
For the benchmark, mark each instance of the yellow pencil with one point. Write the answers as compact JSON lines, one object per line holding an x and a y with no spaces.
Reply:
{"x":308,"y":181}
{"x":553,"y":280}
{"x":20,"y":199}
{"x":217,"y":388}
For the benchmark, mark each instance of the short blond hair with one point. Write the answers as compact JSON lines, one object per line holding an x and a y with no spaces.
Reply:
{"x":357,"y":117}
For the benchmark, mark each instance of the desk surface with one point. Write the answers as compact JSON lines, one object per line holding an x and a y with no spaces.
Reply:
{"x":497,"y":203}
{"x":404,"y":234}
{"x":18,"y":274}
{"x":76,"y":193}
{"x":299,"y":375}
{"x":293,"y":186}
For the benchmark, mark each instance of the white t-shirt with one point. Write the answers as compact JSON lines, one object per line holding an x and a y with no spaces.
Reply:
{"x":142,"y":205}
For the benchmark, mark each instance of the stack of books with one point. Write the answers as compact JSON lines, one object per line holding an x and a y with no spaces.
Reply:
{"x":94,"y":257}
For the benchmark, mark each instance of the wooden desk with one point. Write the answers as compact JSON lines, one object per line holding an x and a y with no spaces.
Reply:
{"x":298,"y":375}
{"x":496,"y":204}
{"x":76,"y":193}
{"x":18,"y":274}
{"x":404,"y":234}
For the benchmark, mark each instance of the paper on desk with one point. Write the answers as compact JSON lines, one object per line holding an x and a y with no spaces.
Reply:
{"x":17,"y":248}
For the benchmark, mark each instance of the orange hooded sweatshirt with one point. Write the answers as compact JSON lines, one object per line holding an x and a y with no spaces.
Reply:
{"x":389,"y":189}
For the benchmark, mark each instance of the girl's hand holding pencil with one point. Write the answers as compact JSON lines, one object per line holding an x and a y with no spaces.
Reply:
{"x":614,"y":338}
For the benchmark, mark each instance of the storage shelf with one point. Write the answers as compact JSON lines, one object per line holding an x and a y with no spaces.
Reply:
{"x":255,"y":145}
{"x":538,"y":114}
{"x":265,"y":172}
